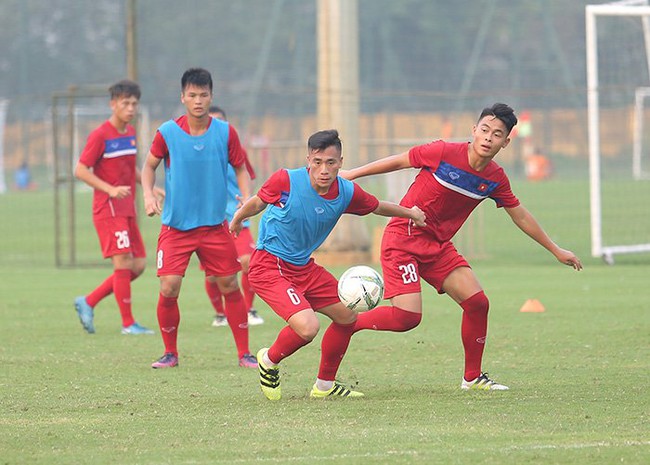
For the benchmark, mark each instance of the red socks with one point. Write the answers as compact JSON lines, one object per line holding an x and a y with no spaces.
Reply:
{"x":122,"y":291}
{"x":286,"y":344}
{"x":237,"y":315}
{"x":333,"y":347}
{"x":473,"y":332}
{"x":168,"y":320}
{"x":247,"y":291}
{"x":214,"y":294}
{"x":103,"y":290}
{"x":387,"y":318}
{"x":473,"y":327}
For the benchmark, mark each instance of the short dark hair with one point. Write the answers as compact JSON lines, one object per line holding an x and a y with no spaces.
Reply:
{"x":323,"y":139}
{"x":125,"y":88}
{"x":216,"y":109}
{"x":502,"y":112}
{"x":198,"y":77}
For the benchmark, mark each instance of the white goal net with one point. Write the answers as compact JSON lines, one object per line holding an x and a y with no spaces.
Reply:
{"x":618,"y":82}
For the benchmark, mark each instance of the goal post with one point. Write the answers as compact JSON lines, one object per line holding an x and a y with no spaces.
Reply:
{"x":641,"y":138}
{"x":618,"y":75}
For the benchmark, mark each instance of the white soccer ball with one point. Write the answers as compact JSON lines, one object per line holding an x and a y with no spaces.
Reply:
{"x":361,"y":288}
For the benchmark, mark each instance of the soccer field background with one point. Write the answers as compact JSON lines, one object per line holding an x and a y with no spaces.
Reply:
{"x":578,"y":372}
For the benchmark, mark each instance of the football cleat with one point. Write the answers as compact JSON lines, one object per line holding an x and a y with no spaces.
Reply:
{"x":253,"y":318}
{"x":219,"y":320}
{"x":338,"y":390}
{"x":248,"y":361}
{"x":85,"y":313}
{"x":269,"y":377}
{"x":168,"y":360}
{"x":483,"y":383}
{"x":135,"y":328}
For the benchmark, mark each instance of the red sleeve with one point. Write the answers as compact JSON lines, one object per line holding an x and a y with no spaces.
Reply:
{"x":275,"y":188}
{"x":236,"y":154}
{"x":159,"y":146}
{"x":249,"y":167}
{"x":362,"y":202}
{"x":427,"y":155}
{"x":94,"y":148}
{"x":503,"y":195}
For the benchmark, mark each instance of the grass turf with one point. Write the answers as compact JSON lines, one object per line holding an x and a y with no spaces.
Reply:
{"x":577,"y":372}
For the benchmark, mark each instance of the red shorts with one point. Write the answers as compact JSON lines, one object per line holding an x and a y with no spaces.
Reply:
{"x":243,"y":243}
{"x":405,"y":259}
{"x":289,"y":288}
{"x":213,"y":245}
{"x":120,"y":235}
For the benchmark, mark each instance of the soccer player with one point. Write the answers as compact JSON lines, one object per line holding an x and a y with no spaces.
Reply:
{"x":304,"y":204}
{"x":243,"y":242}
{"x":453,"y":179}
{"x":196,"y":150}
{"x":108,"y":165}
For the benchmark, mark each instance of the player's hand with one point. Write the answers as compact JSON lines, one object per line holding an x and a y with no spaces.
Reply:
{"x":569,"y":258}
{"x":159,"y":193}
{"x":235,"y":227}
{"x":418,"y":216}
{"x":119,"y":192}
{"x":152,"y":205}
{"x":240,"y":200}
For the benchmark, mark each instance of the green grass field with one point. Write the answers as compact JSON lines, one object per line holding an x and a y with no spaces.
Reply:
{"x":578,"y":372}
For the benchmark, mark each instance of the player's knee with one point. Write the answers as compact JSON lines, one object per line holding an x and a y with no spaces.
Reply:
{"x":170,"y":288}
{"x":244,"y":261}
{"x":228,"y":284}
{"x":478,"y":303}
{"x":307,"y":329}
{"x":347,"y":319}
{"x":407,"y":320}
{"x":137,"y":270}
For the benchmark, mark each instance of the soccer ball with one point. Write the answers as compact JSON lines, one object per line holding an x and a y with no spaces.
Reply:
{"x":361,"y":288}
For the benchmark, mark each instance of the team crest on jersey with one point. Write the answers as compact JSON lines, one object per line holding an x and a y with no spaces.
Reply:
{"x":119,"y":147}
{"x":319,"y":210}
{"x":463,"y":182}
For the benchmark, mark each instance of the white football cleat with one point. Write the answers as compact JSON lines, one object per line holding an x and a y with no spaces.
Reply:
{"x":483,"y":383}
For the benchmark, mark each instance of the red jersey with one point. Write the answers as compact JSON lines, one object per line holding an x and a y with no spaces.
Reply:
{"x":276,"y":191}
{"x":236,"y":154}
{"x":448,"y":189}
{"x":112,"y":157}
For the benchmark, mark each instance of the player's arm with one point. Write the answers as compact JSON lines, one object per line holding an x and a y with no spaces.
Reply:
{"x":383,"y":165}
{"x":251,"y":207}
{"x":158,"y":192}
{"x":528,"y":224}
{"x":85,"y":174}
{"x":152,"y":203}
{"x":243,"y":181}
{"x":392,"y":209}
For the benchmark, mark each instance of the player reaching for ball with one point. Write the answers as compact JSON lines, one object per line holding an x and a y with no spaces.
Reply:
{"x":453,"y":179}
{"x":304,"y":204}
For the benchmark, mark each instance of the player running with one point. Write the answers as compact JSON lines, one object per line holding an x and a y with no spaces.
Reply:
{"x":453,"y":179}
